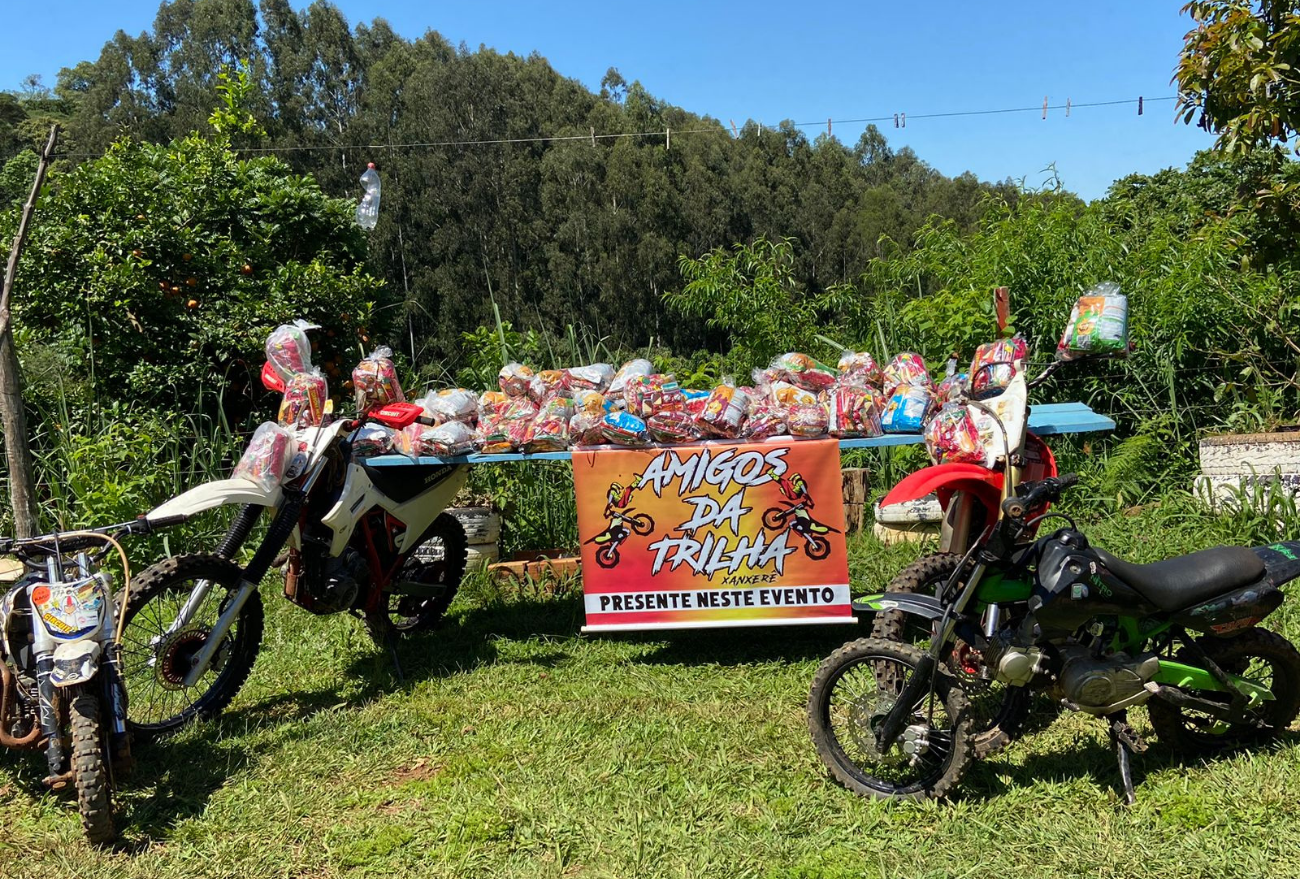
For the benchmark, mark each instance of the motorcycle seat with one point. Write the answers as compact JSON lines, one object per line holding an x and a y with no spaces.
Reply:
{"x":1185,"y":580}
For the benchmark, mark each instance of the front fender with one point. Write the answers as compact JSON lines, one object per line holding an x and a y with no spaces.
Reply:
{"x":215,"y":494}
{"x":944,"y":480}
{"x":908,"y":602}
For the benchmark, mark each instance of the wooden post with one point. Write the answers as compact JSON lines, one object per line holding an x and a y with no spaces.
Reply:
{"x":855,"y":484}
{"x":13,"y":418}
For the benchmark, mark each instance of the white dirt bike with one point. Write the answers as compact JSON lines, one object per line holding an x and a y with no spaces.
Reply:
{"x":370,"y":540}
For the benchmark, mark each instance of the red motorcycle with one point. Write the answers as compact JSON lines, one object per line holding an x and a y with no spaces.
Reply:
{"x":622,"y":524}
{"x":971,"y":495}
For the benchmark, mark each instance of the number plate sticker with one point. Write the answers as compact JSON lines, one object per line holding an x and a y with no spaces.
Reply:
{"x":70,"y":610}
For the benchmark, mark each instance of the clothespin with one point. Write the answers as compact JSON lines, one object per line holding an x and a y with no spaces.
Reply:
{"x":828,"y":126}
{"x":593,"y":135}
{"x":734,"y":131}
{"x":1067,"y":108}
{"x":1139,"y":105}
{"x":904,"y":115}
{"x":895,"y":120}
{"x":1044,"y":106}
{"x":668,"y":138}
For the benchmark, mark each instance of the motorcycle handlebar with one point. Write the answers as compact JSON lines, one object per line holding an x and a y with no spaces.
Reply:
{"x":1038,"y":493}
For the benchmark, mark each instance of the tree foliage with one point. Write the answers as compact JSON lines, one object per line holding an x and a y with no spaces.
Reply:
{"x":1238,"y":71}
{"x":580,"y":231}
{"x":161,"y":269}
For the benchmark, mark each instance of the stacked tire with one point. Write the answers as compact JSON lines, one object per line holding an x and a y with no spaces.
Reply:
{"x":483,"y":532}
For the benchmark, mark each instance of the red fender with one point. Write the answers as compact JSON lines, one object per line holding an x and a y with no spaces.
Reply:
{"x":943,"y":480}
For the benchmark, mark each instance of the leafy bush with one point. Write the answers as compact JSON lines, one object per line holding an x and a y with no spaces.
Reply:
{"x":162,"y":268}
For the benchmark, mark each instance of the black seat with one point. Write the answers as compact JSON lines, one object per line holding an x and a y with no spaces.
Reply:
{"x":1179,"y":583}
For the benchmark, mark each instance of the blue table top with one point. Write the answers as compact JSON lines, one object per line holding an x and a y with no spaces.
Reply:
{"x":1045,"y":419}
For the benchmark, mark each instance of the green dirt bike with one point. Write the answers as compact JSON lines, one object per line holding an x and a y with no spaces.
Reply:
{"x":1056,"y":616}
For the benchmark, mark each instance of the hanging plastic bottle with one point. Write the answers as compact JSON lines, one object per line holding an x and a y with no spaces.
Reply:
{"x":368,"y":210}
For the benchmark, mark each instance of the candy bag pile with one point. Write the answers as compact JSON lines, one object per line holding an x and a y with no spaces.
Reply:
{"x":374,"y":381}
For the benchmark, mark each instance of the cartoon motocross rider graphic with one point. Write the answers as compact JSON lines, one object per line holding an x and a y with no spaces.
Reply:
{"x":623,"y":521}
{"x":793,"y":514}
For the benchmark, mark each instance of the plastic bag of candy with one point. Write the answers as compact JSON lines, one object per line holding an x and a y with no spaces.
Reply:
{"x":673,"y":426}
{"x":506,"y":429}
{"x":725,"y":411}
{"x":861,"y":366}
{"x":1098,"y":325}
{"x":374,"y":381}
{"x":548,"y":383}
{"x":624,"y":429}
{"x":407,"y":440}
{"x":303,"y":404}
{"x":766,"y":419}
{"x":447,"y":440}
{"x":549,"y":431}
{"x":785,"y":394}
{"x":491,"y":402}
{"x":952,"y":387}
{"x":804,"y":371}
{"x":646,"y":395}
{"x":514,"y":379}
{"x":371,"y":440}
{"x":627,"y":371}
{"x":589,"y":401}
{"x":905,"y":369}
{"x":587,"y":428}
{"x":288,"y":351}
{"x":905,"y":412}
{"x":994,"y":365}
{"x":595,"y":377}
{"x":456,"y":404}
{"x":694,"y":401}
{"x":951,"y":436}
{"x":854,"y":410}
{"x":267,"y":456}
{"x":807,"y":421}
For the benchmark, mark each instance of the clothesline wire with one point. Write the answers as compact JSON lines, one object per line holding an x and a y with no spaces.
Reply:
{"x":668,"y":132}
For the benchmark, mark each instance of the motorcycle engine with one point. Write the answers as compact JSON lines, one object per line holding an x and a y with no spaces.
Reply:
{"x":1106,"y":684}
{"x":341,"y":583}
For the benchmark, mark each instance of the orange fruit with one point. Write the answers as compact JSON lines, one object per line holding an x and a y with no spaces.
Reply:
{"x":193,"y":303}
{"x":246,"y":270}
{"x":191,"y":282}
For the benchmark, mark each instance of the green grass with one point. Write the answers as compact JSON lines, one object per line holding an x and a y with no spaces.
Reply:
{"x":520,"y":748}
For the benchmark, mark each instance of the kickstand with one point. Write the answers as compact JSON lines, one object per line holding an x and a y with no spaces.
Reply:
{"x":391,"y":642}
{"x":1126,"y":741}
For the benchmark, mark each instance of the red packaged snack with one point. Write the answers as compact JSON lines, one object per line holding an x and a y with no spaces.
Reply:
{"x":303,"y":404}
{"x":507,"y":429}
{"x":906,"y":370}
{"x":952,"y":436}
{"x":766,"y":419}
{"x":724,"y":412}
{"x":373,"y":439}
{"x":671,"y":427}
{"x":803,"y":371}
{"x":288,"y":351}
{"x":374,"y":381}
{"x":854,"y":411}
{"x":807,"y":421}
{"x":591,"y":378}
{"x":267,"y":456}
{"x":861,"y":366}
{"x":548,"y":383}
{"x":994,"y":365}
{"x":514,"y":379}
{"x":549,"y":430}
{"x":646,"y":395}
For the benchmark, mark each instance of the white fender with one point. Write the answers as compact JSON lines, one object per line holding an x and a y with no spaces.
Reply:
{"x":216,"y":494}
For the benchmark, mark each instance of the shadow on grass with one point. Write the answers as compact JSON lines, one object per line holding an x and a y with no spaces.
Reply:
{"x":1091,"y":758}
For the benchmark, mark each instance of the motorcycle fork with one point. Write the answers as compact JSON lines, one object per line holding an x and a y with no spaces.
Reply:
{"x":276,"y":537}
{"x":924,"y":675}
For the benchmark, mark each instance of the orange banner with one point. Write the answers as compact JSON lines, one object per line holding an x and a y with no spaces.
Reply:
{"x":713,"y":534}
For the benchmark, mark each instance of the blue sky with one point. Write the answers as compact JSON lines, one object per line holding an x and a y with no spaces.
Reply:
{"x":770,"y":61}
